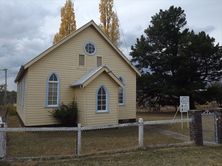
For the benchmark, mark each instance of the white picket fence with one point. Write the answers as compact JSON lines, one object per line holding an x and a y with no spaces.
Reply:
{"x":4,"y":129}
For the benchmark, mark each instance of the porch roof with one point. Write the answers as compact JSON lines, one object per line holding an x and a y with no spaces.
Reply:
{"x":93,"y":74}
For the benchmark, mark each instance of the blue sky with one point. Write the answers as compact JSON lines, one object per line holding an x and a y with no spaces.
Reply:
{"x":27,"y":26}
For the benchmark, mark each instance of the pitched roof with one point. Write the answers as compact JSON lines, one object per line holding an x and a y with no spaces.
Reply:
{"x":92,"y":74}
{"x":91,"y":23}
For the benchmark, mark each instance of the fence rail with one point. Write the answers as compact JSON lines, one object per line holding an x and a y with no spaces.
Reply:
{"x":85,"y":128}
{"x":30,"y":129}
{"x":78,"y":130}
{"x":159,"y":122}
{"x":80,"y":138}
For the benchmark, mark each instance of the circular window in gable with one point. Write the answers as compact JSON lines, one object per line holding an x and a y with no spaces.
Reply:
{"x":90,"y":48}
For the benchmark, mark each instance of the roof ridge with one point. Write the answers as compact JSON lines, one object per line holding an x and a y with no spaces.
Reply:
{"x":99,"y":30}
{"x":80,"y":82}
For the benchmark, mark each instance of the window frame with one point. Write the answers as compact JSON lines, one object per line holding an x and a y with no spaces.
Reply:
{"x":47,"y":91}
{"x":97,"y":61}
{"x":107,"y":100}
{"x":123,"y":92}
{"x":84,"y":62}
{"x":87,"y":53}
{"x":21,"y":89}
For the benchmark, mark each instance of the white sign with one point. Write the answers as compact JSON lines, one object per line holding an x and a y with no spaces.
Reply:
{"x":184,"y":103}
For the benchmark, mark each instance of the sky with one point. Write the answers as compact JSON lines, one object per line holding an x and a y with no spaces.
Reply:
{"x":27,"y":27}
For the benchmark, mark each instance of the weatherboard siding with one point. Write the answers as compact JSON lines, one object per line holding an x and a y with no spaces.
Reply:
{"x":64,"y":61}
{"x":81,"y":103}
{"x":119,"y":68}
{"x":94,"y":118}
{"x":21,"y":98}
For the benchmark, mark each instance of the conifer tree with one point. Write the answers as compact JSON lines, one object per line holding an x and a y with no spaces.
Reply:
{"x":109,"y":21}
{"x":68,"y":22}
{"x":175,"y":61}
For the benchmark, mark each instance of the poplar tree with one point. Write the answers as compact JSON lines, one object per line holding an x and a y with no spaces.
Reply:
{"x":68,"y":22}
{"x":109,"y":21}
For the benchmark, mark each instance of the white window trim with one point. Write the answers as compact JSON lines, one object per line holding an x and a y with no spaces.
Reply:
{"x":124,"y":96}
{"x":47,"y":91}
{"x":84,"y":60}
{"x":97,"y":61}
{"x":123,"y":100}
{"x":89,"y":42}
{"x":107,"y":100}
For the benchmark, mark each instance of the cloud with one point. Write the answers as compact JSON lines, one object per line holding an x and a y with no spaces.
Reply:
{"x":22,"y":35}
{"x":17,"y":52}
{"x":127,"y":40}
{"x":208,"y":29}
{"x":20,"y":19}
{"x":27,"y":27}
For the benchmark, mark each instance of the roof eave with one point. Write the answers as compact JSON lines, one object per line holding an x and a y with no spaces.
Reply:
{"x":58,"y":44}
{"x":102,"y":69}
{"x":76,"y":86}
{"x":117,"y":49}
{"x":74,"y":34}
{"x":20,"y":74}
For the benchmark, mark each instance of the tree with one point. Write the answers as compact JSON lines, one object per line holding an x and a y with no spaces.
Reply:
{"x":11,"y":97}
{"x":68,"y":22}
{"x":178,"y":61}
{"x":109,"y":21}
{"x":214,"y":93}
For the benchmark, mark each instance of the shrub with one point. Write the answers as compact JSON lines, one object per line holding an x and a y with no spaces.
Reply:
{"x":67,"y":114}
{"x":11,"y":109}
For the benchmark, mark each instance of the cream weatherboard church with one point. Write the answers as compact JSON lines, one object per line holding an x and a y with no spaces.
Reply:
{"x":85,"y":66}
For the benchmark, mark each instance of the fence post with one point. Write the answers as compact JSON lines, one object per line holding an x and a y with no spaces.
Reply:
{"x":78,"y":148}
{"x":218,"y":131}
{"x":196,"y":133}
{"x":2,"y":142}
{"x":141,"y":133}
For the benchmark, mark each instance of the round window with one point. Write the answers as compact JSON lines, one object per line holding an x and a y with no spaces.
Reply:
{"x":90,"y":48}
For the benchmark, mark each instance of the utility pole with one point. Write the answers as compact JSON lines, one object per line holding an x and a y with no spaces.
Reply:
{"x":5,"y":94}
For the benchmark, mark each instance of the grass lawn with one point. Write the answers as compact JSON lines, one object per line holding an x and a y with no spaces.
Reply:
{"x":182,"y":156}
{"x":31,"y":144}
{"x":155,"y":116}
{"x":147,"y":116}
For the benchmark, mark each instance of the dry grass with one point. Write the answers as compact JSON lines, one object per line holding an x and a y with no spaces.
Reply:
{"x":185,"y":156}
{"x":120,"y":138}
{"x":166,"y":108}
{"x":154,"y":116}
{"x":31,"y":144}
{"x":63,"y":143}
{"x":178,"y":127}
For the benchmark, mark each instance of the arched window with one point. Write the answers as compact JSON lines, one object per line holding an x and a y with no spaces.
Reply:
{"x":121,"y":94}
{"x":102,"y":99}
{"x":53,"y":91}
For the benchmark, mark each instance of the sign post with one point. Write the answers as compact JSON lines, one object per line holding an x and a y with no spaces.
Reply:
{"x":184,"y":107}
